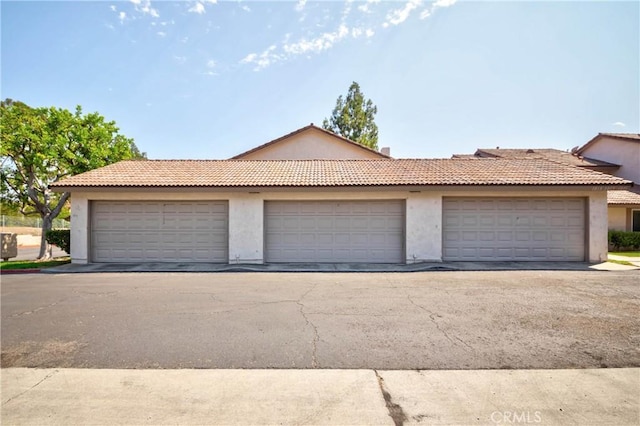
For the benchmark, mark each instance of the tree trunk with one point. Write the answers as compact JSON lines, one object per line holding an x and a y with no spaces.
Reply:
{"x":45,"y":247}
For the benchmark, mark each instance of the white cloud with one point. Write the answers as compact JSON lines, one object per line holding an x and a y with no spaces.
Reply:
{"x":444,"y":3}
{"x":400,"y":15}
{"x":317,"y":43}
{"x":184,"y":39}
{"x":357,"y":32}
{"x":180,"y":59}
{"x":619,"y":124}
{"x":251,"y":57}
{"x":112,"y":7}
{"x":144,"y":7}
{"x":366,"y":6}
{"x":122,"y":16}
{"x":262,"y":60}
{"x":322,"y":42}
{"x":246,"y":8}
{"x":211,"y":63}
{"x":347,"y":10}
{"x":435,"y":5}
{"x":197,"y":8}
{"x":161,"y":33}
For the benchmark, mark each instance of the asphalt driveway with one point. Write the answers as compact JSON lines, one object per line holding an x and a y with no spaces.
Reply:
{"x":428,"y":320}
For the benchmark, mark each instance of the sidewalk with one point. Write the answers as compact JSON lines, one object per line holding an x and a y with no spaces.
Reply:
{"x":344,"y":397}
{"x":630,"y":259}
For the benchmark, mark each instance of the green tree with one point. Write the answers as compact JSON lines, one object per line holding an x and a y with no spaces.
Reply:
{"x":43,"y":145}
{"x":353,"y":118}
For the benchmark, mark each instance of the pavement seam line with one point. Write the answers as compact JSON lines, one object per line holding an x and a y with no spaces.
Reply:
{"x":395,"y":410}
{"x":47,"y":377}
{"x":316,"y":336}
{"x":433,"y":320}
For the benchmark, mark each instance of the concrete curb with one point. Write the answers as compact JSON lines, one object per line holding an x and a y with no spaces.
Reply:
{"x":354,"y":397}
{"x":19,"y":271}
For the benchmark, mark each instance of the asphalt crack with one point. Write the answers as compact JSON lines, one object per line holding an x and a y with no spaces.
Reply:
{"x":38,"y":309}
{"x":395,"y":410}
{"x":432,"y":316}
{"x":45,"y":378}
{"x":316,"y":336}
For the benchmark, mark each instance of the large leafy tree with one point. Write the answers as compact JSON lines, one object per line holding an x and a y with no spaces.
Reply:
{"x":43,"y":145}
{"x":353,"y":118}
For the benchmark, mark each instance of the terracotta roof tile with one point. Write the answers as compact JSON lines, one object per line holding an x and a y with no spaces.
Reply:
{"x":335,"y":173}
{"x":624,"y":197}
{"x":546,"y":153}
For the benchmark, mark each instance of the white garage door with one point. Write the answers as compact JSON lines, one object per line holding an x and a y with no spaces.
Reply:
{"x":523,"y":229}
{"x":334,"y":231}
{"x":159,"y":231}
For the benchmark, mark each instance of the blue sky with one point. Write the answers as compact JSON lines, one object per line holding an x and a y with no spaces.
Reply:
{"x":206,"y":79}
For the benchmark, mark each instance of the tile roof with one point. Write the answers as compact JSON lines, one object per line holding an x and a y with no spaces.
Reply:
{"x":335,"y":173}
{"x":546,"y":153}
{"x":624,"y":197}
{"x":303,"y":129}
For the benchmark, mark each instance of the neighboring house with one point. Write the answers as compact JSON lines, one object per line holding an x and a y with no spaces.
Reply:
{"x":304,"y":207}
{"x":622,"y":149}
{"x":312,"y":143}
{"x":616,"y":154}
{"x":551,"y":154}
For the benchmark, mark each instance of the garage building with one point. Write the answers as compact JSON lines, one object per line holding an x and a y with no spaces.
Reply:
{"x":365,"y":208}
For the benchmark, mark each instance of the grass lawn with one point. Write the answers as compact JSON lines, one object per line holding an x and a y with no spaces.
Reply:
{"x":626,"y":253}
{"x":32,"y":264}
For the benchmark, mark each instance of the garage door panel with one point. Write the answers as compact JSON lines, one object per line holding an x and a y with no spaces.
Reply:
{"x":334,"y":231}
{"x":546,"y":229}
{"x":174,"y":231}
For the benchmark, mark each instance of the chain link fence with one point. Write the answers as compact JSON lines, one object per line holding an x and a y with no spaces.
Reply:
{"x":30,"y":222}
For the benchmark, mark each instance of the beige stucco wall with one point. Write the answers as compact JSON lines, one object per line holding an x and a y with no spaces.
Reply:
{"x":598,"y":226}
{"x":311,"y":144}
{"x":424,"y":227}
{"x":80,"y":215}
{"x":246,"y":229}
{"x":617,"y":218}
{"x":423,"y":215}
{"x":615,"y":151}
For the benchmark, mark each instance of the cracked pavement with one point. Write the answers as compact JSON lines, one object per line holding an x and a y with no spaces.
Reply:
{"x":385,"y":321}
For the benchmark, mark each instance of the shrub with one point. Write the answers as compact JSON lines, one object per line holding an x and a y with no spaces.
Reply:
{"x":60,"y":238}
{"x":624,"y":240}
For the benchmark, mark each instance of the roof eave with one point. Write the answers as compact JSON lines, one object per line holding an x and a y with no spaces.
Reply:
{"x":400,"y":186}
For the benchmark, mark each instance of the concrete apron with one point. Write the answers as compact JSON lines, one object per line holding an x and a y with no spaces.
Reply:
{"x":332,"y":267}
{"x":354,"y":397}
